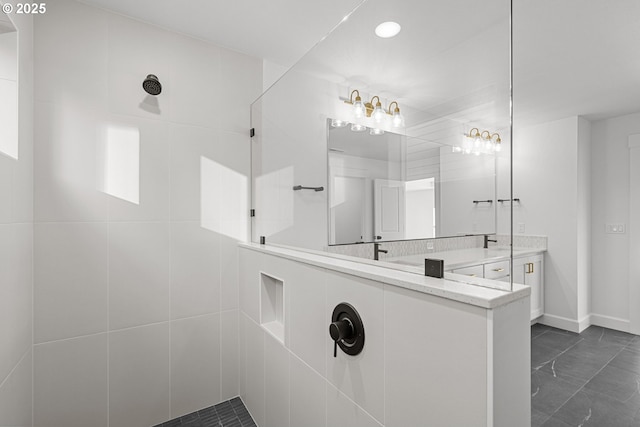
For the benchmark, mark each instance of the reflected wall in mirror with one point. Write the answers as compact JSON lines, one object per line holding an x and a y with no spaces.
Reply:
{"x":8,"y":88}
{"x":393,"y":187}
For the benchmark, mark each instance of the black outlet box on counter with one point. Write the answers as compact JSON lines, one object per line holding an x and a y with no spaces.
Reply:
{"x":434,"y":268}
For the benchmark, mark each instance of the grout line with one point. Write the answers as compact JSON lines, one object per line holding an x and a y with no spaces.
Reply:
{"x":314,"y":370}
{"x":15,"y":366}
{"x":384,"y":352}
{"x":33,"y":293}
{"x":108,"y":312}
{"x":171,"y":230}
{"x":70,"y":338}
{"x":220,"y":328}
{"x":583,"y":386}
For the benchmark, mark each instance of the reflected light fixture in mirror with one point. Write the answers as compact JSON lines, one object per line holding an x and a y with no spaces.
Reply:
{"x":337,"y":123}
{"x":476,"y":142}
{"x":388,"y":29}
{"x":397,"y":120}
{"x":375,"y":131}
{"x":358,"y":128}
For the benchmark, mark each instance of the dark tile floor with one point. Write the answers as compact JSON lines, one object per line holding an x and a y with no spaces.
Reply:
{"x":231,"y":413}
{"x":590,"y":379}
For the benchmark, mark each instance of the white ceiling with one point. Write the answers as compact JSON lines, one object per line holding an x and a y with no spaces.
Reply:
{"x":571,"y":57}
{"x":280,"y":31}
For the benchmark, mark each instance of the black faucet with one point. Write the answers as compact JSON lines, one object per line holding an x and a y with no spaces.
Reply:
{"x":487,"y":240}
{"x":377,"y":250}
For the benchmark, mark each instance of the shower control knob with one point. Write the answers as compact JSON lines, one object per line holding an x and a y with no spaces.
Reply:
{"x":346,"y":330}
{"x":340,"y":330}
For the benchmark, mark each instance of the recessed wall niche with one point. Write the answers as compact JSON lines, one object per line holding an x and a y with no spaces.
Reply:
{"x":272,"y":305}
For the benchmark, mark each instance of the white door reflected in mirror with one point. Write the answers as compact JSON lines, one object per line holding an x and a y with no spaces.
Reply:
{"x":395,"y":187}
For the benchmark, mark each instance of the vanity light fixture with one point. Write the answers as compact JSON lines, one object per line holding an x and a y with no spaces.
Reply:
{"x":337,"y":123}
{"x":358,"y":128}
{"x":378,"y":112}
{"x":388,"y":29}
{"x":397,"y":120}
{"x":376,"y":131}
{"x":476,"y":142}
{"x":497,"y":143}
{"x":358,"y":106}
{"x":374,"y":109}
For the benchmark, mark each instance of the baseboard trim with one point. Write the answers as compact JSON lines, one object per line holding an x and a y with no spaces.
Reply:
{"x":611,"y":322}
{"x":578,"y":326}
{"x":560,"y":322}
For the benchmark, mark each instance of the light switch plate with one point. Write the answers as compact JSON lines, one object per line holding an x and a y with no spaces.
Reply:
{"x":615,"y":228}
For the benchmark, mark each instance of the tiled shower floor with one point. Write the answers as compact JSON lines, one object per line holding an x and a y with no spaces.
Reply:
{"x":231,"y":413}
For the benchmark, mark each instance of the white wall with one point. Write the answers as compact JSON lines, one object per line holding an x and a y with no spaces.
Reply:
{"x":16,"y":243}
{"x":583,"y":220}
{"x":139,"y":202}
{"x":610,"y":205}
{"x":550,"y":163}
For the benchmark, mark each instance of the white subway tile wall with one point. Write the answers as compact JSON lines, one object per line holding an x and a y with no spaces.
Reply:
{"x":135,"y":248}
{"x":16,"y":227}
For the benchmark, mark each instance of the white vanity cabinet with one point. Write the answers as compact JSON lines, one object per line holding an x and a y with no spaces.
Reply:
{"x":529,"y":271}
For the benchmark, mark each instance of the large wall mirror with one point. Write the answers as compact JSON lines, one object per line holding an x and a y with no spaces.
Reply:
{"x":447,"y":72}
{"x":8,"y":88}
{"x":386,"y":186}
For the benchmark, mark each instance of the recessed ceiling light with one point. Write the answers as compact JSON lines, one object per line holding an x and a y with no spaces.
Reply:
{"x":387,"y":29}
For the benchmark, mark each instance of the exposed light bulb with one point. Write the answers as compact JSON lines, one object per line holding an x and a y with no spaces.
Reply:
{"x":497,"y":148}
{"x":378,"y":113}
{"x":397,"y":120}
{"x":358,"y":108}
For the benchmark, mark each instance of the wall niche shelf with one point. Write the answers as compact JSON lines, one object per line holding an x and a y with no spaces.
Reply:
{"x":272,"y":305}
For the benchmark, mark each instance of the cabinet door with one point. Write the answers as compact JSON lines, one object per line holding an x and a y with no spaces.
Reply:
{"x":497,"y":271}
{"x":529,"y":271}
{"x":533,"y":275}
{"x":473,"y":271}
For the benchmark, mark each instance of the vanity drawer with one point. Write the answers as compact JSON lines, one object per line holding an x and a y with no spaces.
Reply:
{"x":496,"y":270}
{"x":474,"y":271}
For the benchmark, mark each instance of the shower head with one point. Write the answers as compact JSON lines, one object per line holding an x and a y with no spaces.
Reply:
{"x":152,"y":85}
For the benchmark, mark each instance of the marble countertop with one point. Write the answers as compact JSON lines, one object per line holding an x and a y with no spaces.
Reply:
{"x":477,"y":291}
{"x":464,"y":257}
